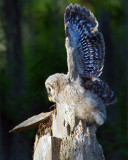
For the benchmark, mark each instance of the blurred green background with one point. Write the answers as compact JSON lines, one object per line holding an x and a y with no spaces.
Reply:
{"x":32,"y":47}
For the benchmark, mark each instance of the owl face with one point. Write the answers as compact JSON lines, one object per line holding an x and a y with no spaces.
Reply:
{"x":54,"y":85}
{"x":51,"y":93}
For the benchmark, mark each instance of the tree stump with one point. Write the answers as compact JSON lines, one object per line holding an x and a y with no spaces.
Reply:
{"x":65,"y":137}
{"x":61,"y":136}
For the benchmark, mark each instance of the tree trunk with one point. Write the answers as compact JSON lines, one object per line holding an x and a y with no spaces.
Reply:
{"x":67,"y":138}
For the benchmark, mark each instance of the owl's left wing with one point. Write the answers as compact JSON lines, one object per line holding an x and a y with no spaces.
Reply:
{"x":86,"y":42}
{"x":102,"y":90}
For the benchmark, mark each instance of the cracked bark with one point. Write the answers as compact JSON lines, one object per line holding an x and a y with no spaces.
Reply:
{"x":68,"y":138}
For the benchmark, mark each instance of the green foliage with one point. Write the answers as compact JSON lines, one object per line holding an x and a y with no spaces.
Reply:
{"x":44,"y":47}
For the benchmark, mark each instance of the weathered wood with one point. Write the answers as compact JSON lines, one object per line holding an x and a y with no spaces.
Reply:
{"x":61,"y":136}
{"x":32,"y":122}
{"x":70,"y":139}
{"x":42,"y":148}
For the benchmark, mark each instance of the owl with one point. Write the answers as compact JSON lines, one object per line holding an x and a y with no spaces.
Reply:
{"x":81,"y":88}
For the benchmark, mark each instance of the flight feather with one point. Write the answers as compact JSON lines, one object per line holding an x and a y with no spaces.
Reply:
{"x":81,"y":28}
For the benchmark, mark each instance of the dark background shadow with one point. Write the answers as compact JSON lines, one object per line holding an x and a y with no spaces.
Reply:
{"x":32,"y":47}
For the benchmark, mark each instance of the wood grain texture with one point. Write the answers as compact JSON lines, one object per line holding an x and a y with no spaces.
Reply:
{"x":32,"y":122}
{"x":71,"y":139}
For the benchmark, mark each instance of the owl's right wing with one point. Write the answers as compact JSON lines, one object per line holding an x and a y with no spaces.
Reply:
{"x":86,"y":41}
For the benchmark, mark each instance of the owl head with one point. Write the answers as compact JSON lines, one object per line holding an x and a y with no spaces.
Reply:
{"x":54,"y":85}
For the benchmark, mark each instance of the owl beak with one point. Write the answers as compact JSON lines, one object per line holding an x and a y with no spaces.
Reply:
{"x":50,"y":99}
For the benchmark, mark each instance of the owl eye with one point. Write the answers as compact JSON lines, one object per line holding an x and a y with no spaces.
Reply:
{"x":49,"y":89}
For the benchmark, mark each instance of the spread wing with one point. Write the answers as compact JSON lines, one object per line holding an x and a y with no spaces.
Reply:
{"x":86,"y":51}
{"x":85,"y":40}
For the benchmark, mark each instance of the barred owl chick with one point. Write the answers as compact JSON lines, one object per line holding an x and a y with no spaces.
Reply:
{"x":86,"y":52}
{"x":81,"y":88}
{"x":86,"y":104}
